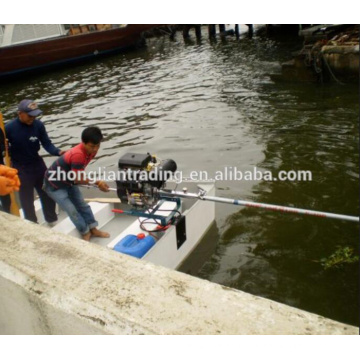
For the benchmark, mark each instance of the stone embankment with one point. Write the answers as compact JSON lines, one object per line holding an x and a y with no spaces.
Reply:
{"x":55,"y":284}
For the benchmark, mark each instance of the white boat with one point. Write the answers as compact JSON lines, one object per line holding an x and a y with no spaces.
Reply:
{"x":170,"y":222}
{"x":172,"y":246}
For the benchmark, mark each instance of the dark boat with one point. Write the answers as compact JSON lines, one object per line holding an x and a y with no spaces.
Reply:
{"x":26,"y":48}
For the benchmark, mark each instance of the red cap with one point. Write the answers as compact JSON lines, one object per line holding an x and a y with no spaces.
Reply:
{"x":140,"y":236}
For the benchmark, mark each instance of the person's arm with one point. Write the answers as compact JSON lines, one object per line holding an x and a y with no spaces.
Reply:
{"x":46,"y":142}
{"x":77,"y":165}
{"x":102,"y":185}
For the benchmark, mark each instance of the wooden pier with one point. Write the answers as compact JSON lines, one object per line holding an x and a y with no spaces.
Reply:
{"x":211,"y":31}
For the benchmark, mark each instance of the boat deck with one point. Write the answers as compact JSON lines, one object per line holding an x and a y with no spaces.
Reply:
{"x":167,"y":251}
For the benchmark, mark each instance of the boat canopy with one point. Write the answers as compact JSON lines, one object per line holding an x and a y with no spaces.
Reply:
{"x":14,"y":34}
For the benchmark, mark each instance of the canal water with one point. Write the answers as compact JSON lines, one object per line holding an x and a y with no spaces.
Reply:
{"x":210,"y":104}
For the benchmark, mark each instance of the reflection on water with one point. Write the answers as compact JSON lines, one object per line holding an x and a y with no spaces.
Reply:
{"x":212,"y":104}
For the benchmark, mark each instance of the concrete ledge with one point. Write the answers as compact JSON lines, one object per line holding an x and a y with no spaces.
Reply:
{"x":55,"y":284}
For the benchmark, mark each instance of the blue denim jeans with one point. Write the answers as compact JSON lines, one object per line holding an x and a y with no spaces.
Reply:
{"x":72,"y":202}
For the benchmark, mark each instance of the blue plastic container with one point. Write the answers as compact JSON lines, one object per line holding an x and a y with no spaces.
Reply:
{"x":134,"y":245}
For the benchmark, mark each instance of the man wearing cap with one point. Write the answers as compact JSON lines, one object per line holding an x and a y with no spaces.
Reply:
{"x":25,"y":134}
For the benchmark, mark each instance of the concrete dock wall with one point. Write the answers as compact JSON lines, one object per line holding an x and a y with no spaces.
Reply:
{"x":55,"y":284}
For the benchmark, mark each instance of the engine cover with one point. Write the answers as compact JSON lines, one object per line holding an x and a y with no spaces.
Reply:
{"x":132,"y":160}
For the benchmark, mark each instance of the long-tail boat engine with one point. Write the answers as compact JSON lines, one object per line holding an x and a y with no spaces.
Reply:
{"x":141,"y":176}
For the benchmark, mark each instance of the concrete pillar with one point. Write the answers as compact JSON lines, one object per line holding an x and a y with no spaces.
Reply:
{"x":186,"y":29}
{"x":198,"y":32}
{"x":237,"y":31}
{"x":251,"y":30}
{"x":269,"y":29}
{"x":222,"y":30}
{"x":212,"y":31}
{"x":172,"y":32}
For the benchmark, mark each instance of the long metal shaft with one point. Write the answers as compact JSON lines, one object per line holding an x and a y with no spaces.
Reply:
{"x":94,"y":186}
{"x":259,"y":205}
{"x":285,"y":209}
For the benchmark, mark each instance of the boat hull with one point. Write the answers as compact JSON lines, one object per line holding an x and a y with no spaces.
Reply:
{"x":199,"y":219}
{"x":171,"y":248}
{"x":32,"y":56}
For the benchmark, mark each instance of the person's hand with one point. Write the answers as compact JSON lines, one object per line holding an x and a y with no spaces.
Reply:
{"x":8,"y":172}
{"x":10,"y":179}
{"x":103,"y":186}
{"x":17,"y":183}
{"x":7,"y":185}
{"x":62,"y":152}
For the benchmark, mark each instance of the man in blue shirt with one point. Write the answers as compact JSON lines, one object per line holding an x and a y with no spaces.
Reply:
{"x":25,"y":134}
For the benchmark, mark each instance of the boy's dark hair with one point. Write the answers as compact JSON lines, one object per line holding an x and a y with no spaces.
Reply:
{"x":92,"y":134}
